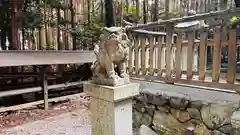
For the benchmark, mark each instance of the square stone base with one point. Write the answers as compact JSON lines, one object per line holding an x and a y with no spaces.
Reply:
{"x":111,"y":108}
{"x":111,"y":82}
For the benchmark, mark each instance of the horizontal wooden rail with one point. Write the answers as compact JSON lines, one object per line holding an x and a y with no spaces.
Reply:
{"x":24,"y":58}
{"x":212,"y":14}
{"x":37,"y":89}
{"x":31,"y":104}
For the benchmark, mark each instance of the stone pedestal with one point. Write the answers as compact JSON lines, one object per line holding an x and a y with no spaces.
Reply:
{"x":111,"y":108}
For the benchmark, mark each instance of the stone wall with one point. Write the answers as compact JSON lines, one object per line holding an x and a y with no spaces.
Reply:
{"x":172,"y":113}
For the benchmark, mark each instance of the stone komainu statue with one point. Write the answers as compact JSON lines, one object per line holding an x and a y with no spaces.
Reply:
{"x":111,"y":53}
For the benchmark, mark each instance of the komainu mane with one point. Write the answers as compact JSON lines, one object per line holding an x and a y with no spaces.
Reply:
{"x":111,"y":54}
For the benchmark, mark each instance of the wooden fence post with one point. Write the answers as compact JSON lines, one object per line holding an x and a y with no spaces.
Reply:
{"x":169,"y":39}
{"x":232,"y":48}
{"x":178,"y":56}
{"x":44,"y":86}
{"x":216,"y":54}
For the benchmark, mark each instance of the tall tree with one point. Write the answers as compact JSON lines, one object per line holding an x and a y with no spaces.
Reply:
{"x":155,"y":11}
{"x":109,"y":14}
{"x":237,"y":3}
{"x":14,"y":43}
{"x":144,"y":12}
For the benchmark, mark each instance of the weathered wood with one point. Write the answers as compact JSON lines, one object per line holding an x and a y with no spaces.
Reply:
{"x":130,"y":62}
{"x":24,"y":90}
{"x":169,"y":39}
{"x":195,"y":83}
{"x":159,"y":58}
{"x":27,"y":105}
{"x":22,"y":58}
{"x":143,"y":55}
{"x":149,"y":32}
{"x":202,"y":54}
{"x":190,"y":48}
{"x":136,"y":49}
{"x":232,"y":56}
{"x":203,"y":16}
{"x":151,"y":51}
{"x":44,"y":86}
{"x":179,"y":56}
{"x":216,"y":55}
{"x":224,"y":35}
{"x":209,"y":42}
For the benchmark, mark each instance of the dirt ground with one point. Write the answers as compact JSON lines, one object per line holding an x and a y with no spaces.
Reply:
{"x":71,"y":117}
{"x":15,"y":118}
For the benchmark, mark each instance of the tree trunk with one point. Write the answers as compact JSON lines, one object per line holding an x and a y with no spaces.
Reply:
{"x":73,"y":19}
{"x":54,"y":30}
{"x":167,"y":9}
{"x":49,"y":30}
{"x":42,"y":34}
{"x":155,"y":16}
{"x":89,"y":12}
{"x":121,"y":12}
{"x":102,"y":10}
{"x":138,"y":11}
{"x":3,"y":31}
{"x":147,"y":9}
{"x":14,"y":34}
{"x":110,"y":13}
{"x":66,"y":35}
{"x":42,"y":38}
{"x":92,"y":11}
{"x":144,"y":12}
{"x":60,"y":43}
{"x":237,"y":3}
{"x":127,"y":6}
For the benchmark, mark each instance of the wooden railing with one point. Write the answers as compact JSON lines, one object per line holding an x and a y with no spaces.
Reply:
{"x":160,"y":55}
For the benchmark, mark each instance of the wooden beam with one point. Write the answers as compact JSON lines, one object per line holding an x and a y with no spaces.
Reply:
{"x":37,"y":89}
{"x":23,"y":58}
{"x":203,"y":16}
{"x":232,"y":50}
{"x":44,"y":80}
{"x":27,"y":105}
